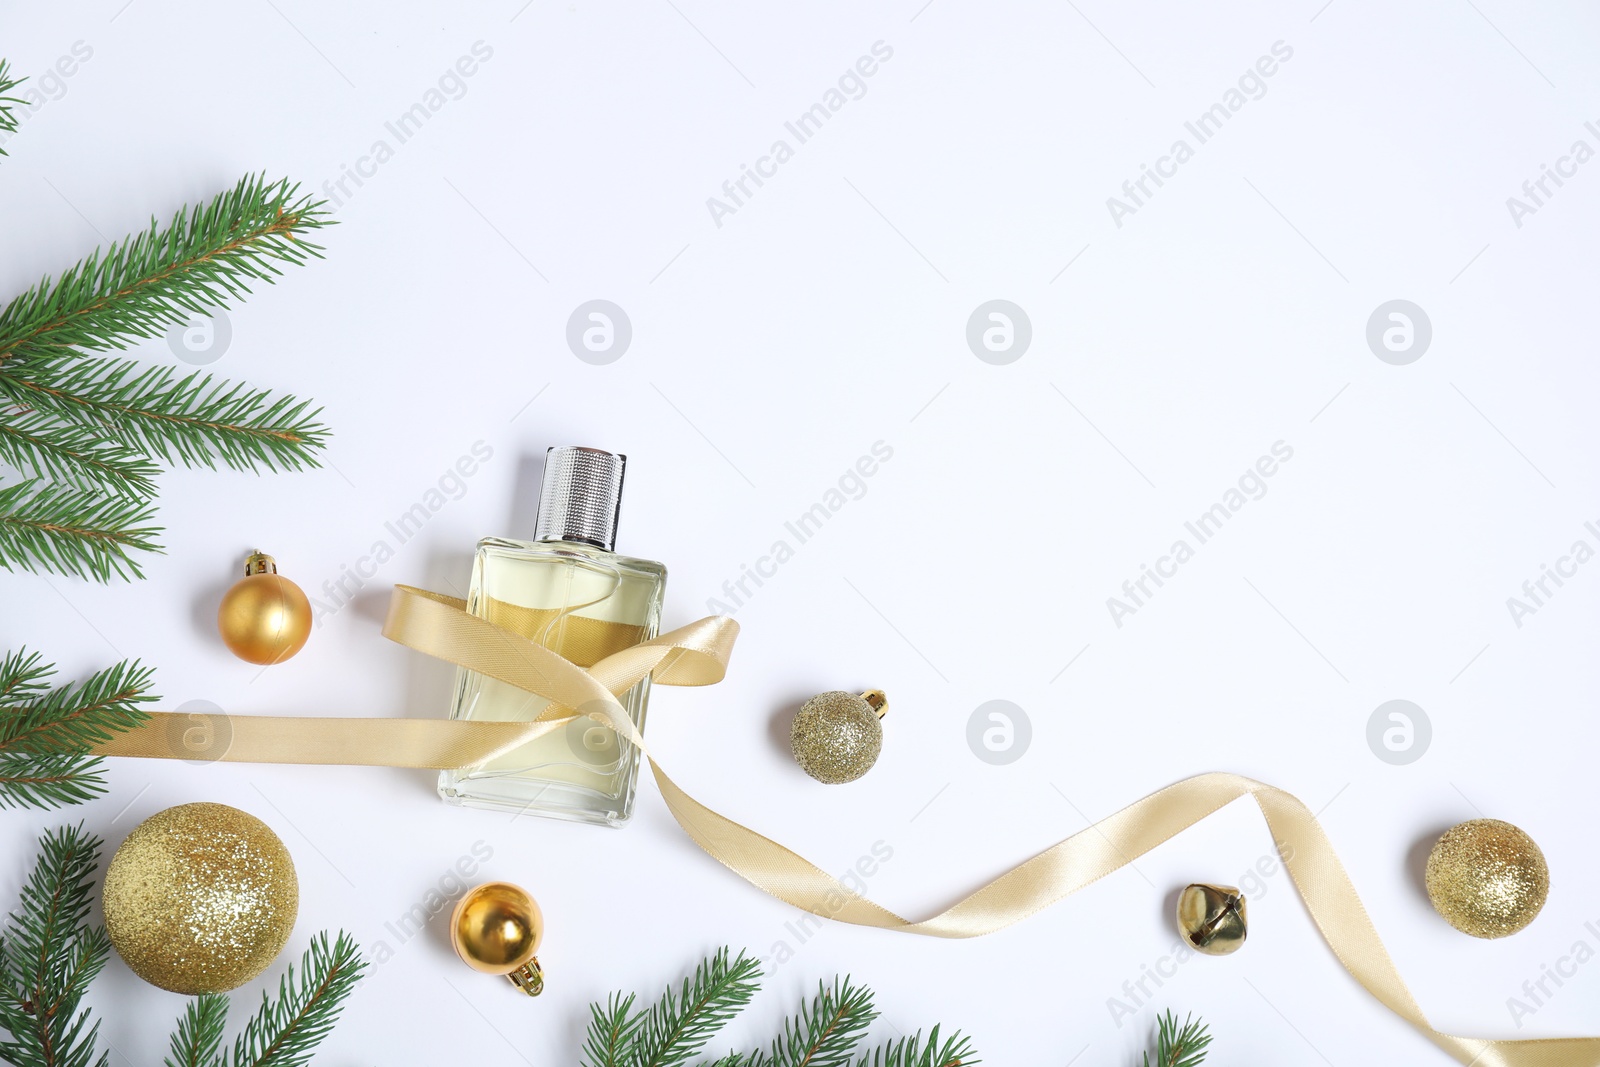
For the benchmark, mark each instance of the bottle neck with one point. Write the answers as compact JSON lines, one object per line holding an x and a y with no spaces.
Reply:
{"x":581,"y":541}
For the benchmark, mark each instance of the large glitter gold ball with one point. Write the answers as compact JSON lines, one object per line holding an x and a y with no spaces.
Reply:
{"x":837,"y":736}
{"x":1487,"y":878}
{"x":200,"y":898}
{"x":265,"y":618}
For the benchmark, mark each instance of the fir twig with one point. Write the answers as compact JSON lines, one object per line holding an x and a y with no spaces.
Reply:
{"x":826,"y":1032}
{"x":8,"y":103}
{"x":137,"y":287}
{"x":50,"y":955}
{"x":58,"y":528}
{"x":78,"y":455}
{"x":46,"y":734}
{"x":1177,"y":1046}
{"x":912,"y":1052}
{"x":286,"y":1031}
{"x":611,"y":1032}
{"x":678,"y":1026}
{"x":191,"y":419}
{"x":199,"y":1034}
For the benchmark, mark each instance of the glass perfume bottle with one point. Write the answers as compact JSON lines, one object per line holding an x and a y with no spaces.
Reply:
{"x":569,"y":591}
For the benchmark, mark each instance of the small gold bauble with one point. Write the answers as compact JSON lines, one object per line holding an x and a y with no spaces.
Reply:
{"x":1212,"y":918}
{"x":496,"y":928}
{"x":1487,"y":878}
{"x":837,"y":737}
{"x":264,"y":618}
{"x":200,"y":898}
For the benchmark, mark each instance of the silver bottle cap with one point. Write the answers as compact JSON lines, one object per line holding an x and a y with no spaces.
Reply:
{"x":580,"y":496}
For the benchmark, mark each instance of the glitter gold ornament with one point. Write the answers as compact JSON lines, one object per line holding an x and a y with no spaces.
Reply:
{"x":265,"y":618}
{"x":496,"y":929}
{"x":837,"y":736}
{"x":1212,"y":918}
{"x":1487,"y":878}
{"x":200,"y":898}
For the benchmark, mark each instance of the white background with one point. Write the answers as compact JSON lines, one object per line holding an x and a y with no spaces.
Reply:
{"x":769,"y":353}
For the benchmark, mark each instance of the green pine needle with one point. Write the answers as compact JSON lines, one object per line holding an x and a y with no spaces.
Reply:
{"x":678,"y":1026}
{"x":826,"y":1032}
{"x":46,"y":734}
{"x":205,"y":258}
{"x":191,"y":419}
{"x":611,"y":1032}
{"x":199,"y":1035}
{"x":286,"y":1031}
{"x":912,"y":1052}
{"x":8,"y":104}
{"x":1177,"y":1046}
{"x":79,"y":455}
{"x":65,"y":530}
{"x":24,"y":676}
{"x":49,"y":956}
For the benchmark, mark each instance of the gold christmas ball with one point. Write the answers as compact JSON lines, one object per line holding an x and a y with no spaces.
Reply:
{"x":837,"y":737}
{"x":264,"y":618}
{"x":496,"y":929}
{"x":1487,"y":878}
{"x":1212,"y":918}
{"x":200,"y":898}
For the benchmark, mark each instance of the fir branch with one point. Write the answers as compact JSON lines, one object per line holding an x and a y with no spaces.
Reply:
{"x":49,"y":956}
{"x":205,"y":258}
{"x":611,"y":1032}
{"x":199,"y":1035}
{"x":45,"y":734}
{"x":911,"y":1052}
{"x":286,"y":1031}
{"x":49,"y":780}
{"x":1177,"y":1046}
{"x":194,"y":419}
{"x":79,"y":455}
{"x":678,"y":1026}
{"x":826,"y":1032}
{"x":64,"y":530}
{"x":24,"y":675}
{"x":8,"y":104}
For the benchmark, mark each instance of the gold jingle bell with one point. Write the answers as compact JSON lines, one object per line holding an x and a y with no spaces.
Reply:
{"x":1212,"y":918}
{"x":496,"y":929}
{"x":265,"y":618}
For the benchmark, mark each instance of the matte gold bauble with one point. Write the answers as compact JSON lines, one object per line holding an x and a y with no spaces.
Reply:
{"x":264,"y":618}
{"x":200,"y":898}
{"x":1487,"y":878}
{"x":496,"y":928}
{"x":837,"y":737}
{"x":1212,"y":918}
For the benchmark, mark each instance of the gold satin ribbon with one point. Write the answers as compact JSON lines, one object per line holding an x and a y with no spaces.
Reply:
{"x":698,"y":654}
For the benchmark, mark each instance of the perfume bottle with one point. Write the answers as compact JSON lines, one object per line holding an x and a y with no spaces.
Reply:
{"x":569,"y":591}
